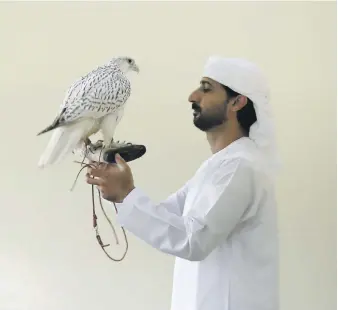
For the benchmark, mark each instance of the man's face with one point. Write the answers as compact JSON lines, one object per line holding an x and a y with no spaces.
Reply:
{"x":209,"y":103}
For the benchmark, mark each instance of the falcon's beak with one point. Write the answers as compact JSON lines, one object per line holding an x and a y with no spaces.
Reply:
{"x":136,"y":68}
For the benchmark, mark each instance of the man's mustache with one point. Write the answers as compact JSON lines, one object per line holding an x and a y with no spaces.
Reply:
{"x":195,"y":106}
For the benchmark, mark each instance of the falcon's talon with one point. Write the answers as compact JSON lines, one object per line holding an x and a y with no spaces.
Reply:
{"x":118,"y":144}
{"x":93,"y":147}
{"x":87,"y":142}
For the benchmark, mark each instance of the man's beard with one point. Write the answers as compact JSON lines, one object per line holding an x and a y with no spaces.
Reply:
{"x":206,"y":120}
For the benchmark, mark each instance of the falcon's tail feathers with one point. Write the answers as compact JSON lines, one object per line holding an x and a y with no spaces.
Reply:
{"x":49,"y":128}
{"x":63,"y":141}
{"x":56,"y":123}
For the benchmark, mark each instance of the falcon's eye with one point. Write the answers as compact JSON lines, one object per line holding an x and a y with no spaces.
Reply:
{"x":129,"y":60}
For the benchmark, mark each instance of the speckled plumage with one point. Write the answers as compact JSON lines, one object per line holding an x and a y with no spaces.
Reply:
{"x":92,"y":103}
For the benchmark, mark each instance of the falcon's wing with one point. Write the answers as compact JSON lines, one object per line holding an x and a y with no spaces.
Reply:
{"x":100,"y":92}
{"x":97,"y":97}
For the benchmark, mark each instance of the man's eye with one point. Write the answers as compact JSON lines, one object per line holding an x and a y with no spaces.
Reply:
{"x":204,"y":89}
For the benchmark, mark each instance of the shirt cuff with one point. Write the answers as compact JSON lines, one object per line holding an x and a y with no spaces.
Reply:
{"x":125,"y":207}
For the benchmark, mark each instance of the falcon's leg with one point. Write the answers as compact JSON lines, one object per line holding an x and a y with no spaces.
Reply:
{"x":108,"y":127}
{"x":109,"y":143}
{"x":87,"y":142}
{"x":95,"y":146}
{"x":83,"y":146}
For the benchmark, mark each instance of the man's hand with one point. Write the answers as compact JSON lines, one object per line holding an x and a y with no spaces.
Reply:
{"x":115,"y":181}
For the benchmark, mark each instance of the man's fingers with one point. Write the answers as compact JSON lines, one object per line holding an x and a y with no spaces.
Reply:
{"x":93,"y":181}
{"x":121,"y":163}
{"x":96,"y":172}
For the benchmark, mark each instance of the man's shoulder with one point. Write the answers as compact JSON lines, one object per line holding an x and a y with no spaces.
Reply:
{"x":243,"y":158}
{"x":243,"y":153}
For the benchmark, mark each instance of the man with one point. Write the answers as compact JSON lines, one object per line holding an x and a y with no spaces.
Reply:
{"x":221,"y":225}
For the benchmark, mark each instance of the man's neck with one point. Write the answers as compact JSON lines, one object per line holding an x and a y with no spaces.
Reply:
{"x":219,"y":138}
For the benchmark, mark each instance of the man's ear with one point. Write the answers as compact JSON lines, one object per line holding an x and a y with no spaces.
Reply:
{"x":239,"y":103}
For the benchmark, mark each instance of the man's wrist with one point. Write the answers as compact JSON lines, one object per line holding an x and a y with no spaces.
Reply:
{"x":126,"y":193}
{"x":130,"y":189}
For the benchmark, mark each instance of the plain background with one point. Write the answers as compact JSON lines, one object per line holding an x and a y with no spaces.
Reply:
{"x":49,"y":257}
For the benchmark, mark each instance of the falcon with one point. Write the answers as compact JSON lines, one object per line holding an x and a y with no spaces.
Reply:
{"x":92,"y":103}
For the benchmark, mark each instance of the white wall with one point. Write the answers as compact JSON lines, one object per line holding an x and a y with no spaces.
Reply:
{"x":49,"y":258}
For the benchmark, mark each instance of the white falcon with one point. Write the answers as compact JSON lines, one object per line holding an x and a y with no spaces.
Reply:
{"x":92,"y":103}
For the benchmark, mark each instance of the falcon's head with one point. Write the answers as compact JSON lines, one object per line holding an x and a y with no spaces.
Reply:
{"x":126,"y":64}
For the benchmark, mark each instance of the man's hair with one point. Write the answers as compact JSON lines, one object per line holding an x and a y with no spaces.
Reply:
{"x":245,"y":116}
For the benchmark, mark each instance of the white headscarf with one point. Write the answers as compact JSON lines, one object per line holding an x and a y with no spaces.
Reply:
{"x":247,"y":79}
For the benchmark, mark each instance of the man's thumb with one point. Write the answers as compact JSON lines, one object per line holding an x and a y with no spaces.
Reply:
{"x":120,"y":161}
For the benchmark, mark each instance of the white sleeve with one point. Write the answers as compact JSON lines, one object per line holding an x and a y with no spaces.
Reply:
{"x":175,"y":202}
{"x":222,"y":201}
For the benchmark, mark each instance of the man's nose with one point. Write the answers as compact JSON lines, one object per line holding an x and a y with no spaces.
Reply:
{"x":194,"y":96}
